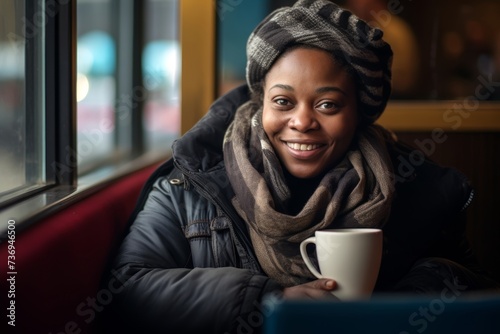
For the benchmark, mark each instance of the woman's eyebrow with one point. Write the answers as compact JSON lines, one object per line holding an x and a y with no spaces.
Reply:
{"x":282,"y":86}
{"x":330,"y":89}
{"x":319,"y":90}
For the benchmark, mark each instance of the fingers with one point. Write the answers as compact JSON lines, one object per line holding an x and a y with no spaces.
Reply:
{"x":329,"y":284}
{"x":324,"y":284}
{"x":316,"y":289}
{"x":322,"y":288}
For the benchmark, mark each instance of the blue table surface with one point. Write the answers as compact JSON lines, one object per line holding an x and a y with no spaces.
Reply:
{"x":444,"y":313}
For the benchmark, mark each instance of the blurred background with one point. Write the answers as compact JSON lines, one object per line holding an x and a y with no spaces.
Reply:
{"x":440,"y":47}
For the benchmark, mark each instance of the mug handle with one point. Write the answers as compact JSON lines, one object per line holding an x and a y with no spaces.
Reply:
{"x":305,"y":257}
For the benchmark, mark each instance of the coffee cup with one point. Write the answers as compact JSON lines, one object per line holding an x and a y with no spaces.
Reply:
{"x":350,"y":256}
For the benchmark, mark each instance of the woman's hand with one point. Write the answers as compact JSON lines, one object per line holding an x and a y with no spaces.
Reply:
{"x":317,"y":289}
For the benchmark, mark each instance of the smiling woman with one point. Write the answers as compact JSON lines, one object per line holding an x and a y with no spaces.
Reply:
{"x":306,"y":90}
{"x":91,"y":100}
{"x":293,"y":151}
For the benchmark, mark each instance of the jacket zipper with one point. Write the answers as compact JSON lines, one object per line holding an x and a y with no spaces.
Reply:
{"x":241,"y":236}
{"x":469,"y":200}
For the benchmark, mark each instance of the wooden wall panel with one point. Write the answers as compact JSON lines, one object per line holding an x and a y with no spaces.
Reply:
{"x":476,"y":154}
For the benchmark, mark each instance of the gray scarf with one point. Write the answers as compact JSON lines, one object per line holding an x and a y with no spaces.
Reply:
{"x":356,"y":193}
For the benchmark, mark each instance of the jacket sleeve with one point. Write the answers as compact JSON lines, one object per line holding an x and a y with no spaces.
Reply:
{"x":162,"y":292}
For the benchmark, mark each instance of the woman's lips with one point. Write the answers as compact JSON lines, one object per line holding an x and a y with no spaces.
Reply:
{"x":302,"y":147}
{"x":303,"y":150}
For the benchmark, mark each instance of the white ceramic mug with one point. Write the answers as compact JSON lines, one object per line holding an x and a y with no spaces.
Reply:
{"x":349,"y":256}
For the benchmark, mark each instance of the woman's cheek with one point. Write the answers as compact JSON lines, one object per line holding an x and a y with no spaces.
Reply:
{"x":272,"y":123}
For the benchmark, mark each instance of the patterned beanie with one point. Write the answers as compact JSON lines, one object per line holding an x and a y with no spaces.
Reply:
{"x":323,"y":24}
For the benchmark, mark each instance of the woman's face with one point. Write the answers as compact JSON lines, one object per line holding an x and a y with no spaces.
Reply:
{"x":309,"y":111}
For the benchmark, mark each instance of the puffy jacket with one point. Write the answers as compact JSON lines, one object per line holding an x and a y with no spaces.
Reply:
{"x":188,"y":262}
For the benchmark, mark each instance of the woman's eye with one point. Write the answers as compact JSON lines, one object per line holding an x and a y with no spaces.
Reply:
{"x":282,"y":103}
{"x":328,"y":106}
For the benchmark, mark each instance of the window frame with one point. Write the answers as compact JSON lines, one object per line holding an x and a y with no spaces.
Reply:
{"x":61,"y":96}
{"x":63,"y":185}
{"x":31,"y":51}
{"x":59,"y":132}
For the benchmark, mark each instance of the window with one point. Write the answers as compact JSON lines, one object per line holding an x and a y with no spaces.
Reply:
{"x":22,"y":112}
{"x":237,"y":19}
{"x":161,"y":66}
{"x":89,"y":91}
{"x":128,"y":79}
{"x":95,"y":81}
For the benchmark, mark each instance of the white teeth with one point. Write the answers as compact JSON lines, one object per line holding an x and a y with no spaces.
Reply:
{"x":302,"y":147}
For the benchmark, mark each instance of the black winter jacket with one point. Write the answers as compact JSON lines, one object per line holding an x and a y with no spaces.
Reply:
{"x":188,"y":261}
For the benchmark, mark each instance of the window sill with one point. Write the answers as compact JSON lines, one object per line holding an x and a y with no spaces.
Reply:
{"x":28,"y":211}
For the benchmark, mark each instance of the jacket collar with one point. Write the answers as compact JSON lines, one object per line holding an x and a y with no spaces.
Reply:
{"x":200,"y":149}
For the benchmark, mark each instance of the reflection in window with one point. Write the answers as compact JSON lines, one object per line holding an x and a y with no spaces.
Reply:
{"x":108,"y":93}
{"x":236,"y":20}
{"x":22,"y":163}
{"x":96,"y":64}
{"x":161,"y":74}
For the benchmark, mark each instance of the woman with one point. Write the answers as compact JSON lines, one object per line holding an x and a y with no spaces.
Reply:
{"x":219,"y":225}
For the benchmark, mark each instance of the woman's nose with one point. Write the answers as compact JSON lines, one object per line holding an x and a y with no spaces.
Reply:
{"x":303,"y":119}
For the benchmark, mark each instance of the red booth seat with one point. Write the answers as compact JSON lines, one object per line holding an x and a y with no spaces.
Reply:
{"x":60,"y":261}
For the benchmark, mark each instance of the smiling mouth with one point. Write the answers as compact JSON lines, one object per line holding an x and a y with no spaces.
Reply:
{"x":302,"y":147}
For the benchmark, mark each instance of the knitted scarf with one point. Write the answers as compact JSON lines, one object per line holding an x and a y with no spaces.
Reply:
{"x":356,"y":193}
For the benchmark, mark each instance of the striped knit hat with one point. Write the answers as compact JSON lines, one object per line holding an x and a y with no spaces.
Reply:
{"x":323,"y":24}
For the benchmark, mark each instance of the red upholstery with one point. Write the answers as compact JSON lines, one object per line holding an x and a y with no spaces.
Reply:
{"x":60,"y":260}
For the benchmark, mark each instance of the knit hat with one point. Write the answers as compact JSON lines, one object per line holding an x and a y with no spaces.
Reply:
{"x":323,"y":24}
